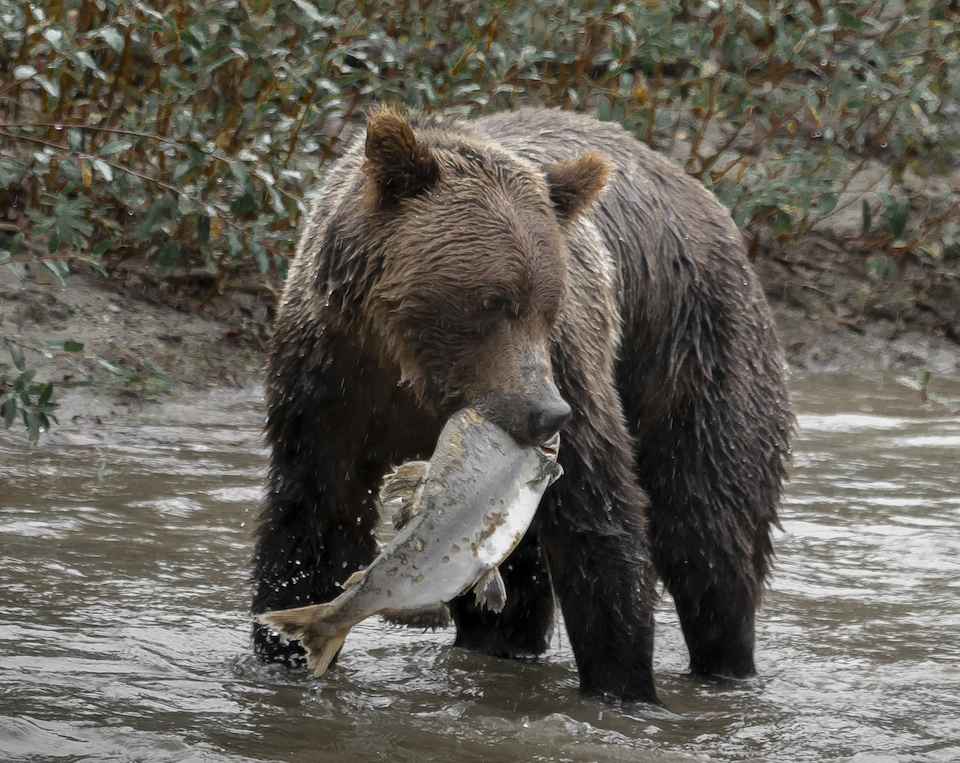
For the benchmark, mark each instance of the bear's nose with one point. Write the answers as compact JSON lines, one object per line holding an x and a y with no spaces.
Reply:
{"x":548,"y":418}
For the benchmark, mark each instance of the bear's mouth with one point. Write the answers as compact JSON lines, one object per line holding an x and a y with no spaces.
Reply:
{"x":551,"y":447}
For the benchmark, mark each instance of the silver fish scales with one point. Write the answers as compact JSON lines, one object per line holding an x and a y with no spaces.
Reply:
{"x":463,"y":513}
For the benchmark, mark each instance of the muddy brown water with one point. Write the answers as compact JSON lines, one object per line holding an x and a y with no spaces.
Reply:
{"x":123,"y":624}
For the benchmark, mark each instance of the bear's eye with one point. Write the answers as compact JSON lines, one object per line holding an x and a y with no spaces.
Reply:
{"x":501,"y":305}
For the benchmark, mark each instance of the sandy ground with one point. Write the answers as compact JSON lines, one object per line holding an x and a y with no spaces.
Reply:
{"x":829,"y":321}
{"x":135,"y":327}
{"x":832,"y":318}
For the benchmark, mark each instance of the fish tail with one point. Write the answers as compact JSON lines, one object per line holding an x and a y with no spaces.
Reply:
{"x":321,"y":653}
{"x":310,"y":626}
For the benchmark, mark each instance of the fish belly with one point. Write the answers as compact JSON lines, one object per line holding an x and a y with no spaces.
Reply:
{"x":496,"y":546}
{"x":479,"y":495}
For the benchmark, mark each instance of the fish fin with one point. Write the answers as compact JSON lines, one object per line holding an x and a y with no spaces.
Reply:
{"x":403,"y":515}
{"x":489,"y":590}
{"x":426,"y":617}
{"x":402,"y":484}
{"x":310,"y":627}
{"x":355,"y":578}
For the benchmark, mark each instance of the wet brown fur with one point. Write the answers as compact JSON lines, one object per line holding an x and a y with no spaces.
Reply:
{"x":496,"y":263}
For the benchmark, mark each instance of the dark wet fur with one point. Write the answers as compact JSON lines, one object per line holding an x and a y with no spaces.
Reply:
{"x":470,"y":277}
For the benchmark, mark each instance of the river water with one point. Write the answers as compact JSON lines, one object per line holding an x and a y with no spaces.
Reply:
{"x":124,"y":631}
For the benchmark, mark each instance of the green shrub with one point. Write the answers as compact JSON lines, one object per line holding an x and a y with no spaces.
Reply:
{"x":188,"y":135}
{"x":192,"y":131}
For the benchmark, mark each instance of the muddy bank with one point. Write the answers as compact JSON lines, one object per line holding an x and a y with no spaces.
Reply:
{"x":831,"y":318}
{"x":165,"y":339}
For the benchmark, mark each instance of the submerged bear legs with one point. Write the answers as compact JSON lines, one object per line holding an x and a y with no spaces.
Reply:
{"x":593,"y":535}
{"x":714,"y":475}
{"x":316,"y":528}
{"x":602,"y":580}
{"x":717,"y":614}
{"x":523,"y":628}
{"x":332,"y":436}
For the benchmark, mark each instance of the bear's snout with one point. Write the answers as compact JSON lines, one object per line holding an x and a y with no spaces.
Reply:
{"x":531,"y":418}
{"x":547,"y":417}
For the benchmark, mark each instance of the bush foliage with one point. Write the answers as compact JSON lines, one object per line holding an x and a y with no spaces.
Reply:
{"x":187,"y":136}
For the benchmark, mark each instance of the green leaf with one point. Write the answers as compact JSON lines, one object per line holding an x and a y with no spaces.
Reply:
{"x":203,"y":231}
{"x":244,"y":203}
{"x":259,"y":256}
{"x":102,"y":247}
{"x":54,"y":243}
{"x":827,"y":203}
{"x":309,"y":11}
{"x":18,"y":270}
{"x":234,"y":243}
{"x":115,"y":147}
{"x":291,"y":206}
{"x":72,"y":346}
{"x":168,"y":258}
{"x":22,"y":384}
{"x":282,"y":265}
{"x":24,"y":72}
{"x":16,"y":241}
{"x":46,"y":392}
{"x":104,"y":169}
{"x":111,"y":367}
{"x":55,"y":37}
{"x":10,"y":172}
{"x":54,"y":268}
{"x":74,"y":172}
{"x":882,"y":269}
{"x":99,"y":268}
{"x":151,"y":221}
{"x":75,"y":139}
{"x":849,"y":21}
{"x":33,"y":425}
{"x":16,"y":354}
{"x":86,"y":60}
{"x":9,"y":411}
{"x":603,"y":110}
{"x":896,"y":215}
{"x":113,"y":38}
{"x":783,"y":225}
{"x":867,"y":217}
{"x":51,"y":86}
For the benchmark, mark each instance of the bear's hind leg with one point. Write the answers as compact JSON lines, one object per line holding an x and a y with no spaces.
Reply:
{"x":714,"y":479}
{"x":717,"y":611}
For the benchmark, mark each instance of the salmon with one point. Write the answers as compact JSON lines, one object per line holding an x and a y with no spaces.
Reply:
{"x":463,"y":512}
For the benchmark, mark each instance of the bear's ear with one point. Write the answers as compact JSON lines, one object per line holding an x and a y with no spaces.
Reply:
{"x":576,"y":183}
{"x":396,"y":164}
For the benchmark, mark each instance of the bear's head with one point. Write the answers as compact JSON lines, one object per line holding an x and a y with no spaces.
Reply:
{"x":471,"y":267}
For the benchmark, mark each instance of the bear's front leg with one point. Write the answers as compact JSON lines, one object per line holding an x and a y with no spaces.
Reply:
{"x":330,"y":424}
{"x":593,"y":533}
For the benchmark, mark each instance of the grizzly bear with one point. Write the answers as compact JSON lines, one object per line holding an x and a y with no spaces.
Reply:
{"x":554,"y":273}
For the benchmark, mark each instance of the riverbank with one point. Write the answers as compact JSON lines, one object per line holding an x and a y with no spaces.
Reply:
{"x":831,"y":318}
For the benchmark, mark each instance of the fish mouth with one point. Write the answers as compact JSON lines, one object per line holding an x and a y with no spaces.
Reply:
{"x":551,"y":447}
